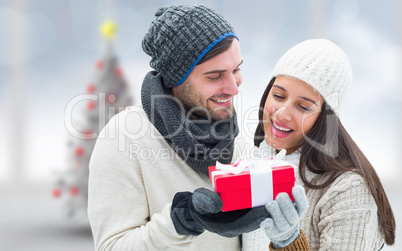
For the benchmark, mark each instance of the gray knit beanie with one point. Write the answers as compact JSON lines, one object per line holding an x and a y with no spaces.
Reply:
{"x":180,"y":36}
{"x":321,"y":64}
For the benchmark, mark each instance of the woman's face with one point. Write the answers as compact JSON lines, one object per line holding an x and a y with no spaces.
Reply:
{"x":291,"y":109}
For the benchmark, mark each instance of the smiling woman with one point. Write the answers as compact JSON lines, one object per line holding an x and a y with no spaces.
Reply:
{"x":292,"y":108}
{"x":298,"y":113}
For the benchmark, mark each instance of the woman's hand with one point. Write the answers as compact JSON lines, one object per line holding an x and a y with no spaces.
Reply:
{"x":283,"y":225}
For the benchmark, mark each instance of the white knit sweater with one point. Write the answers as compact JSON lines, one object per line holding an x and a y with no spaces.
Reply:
{"x":340,"y":217}
{"x":134,"y":175}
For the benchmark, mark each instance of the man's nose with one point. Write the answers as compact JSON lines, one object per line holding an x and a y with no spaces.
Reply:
{"x":232,"y":85}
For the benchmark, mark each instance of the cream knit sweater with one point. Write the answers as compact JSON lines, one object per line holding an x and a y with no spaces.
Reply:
{"x":340,"y":217}
{"x":134,"y":175}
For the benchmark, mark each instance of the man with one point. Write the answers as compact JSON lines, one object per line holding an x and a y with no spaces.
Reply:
{"x":186,"y":123}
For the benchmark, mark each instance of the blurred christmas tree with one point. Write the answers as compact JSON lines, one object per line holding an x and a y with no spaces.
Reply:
{"x":108,"y":95}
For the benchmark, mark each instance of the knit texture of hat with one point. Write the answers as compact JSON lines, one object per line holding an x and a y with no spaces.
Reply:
{"x":321,"y":64}
{"x":180,"y":36}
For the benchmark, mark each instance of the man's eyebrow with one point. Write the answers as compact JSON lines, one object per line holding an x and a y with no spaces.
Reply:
{"x":219,"y":71}
{"x":302,"y":97}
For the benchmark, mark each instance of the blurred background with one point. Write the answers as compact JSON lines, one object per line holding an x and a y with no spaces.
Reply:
{"x":50,"y":53}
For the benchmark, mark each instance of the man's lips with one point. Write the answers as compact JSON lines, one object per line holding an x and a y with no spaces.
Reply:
{"x":222,"y":101}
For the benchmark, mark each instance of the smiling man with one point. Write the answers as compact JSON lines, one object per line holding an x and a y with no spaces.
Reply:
{"x":209,"y":89}
{"x":186,"y":123}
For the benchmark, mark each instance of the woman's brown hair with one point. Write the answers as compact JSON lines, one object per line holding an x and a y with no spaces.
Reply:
{"x":328,"y":148}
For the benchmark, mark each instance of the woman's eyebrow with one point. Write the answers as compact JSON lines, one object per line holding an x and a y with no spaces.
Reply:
{"x":302,"y":97}
{"x":280,"y":87}
{"x":308,"y":99}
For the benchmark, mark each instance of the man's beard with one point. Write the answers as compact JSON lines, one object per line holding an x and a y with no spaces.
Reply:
{"x":197,"y":107}
{"x":219,"y":113}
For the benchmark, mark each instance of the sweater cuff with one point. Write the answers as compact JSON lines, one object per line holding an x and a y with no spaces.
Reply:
{"x":299,"y":244}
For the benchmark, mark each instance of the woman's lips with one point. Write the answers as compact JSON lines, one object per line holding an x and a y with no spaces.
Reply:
{"x":279,"y":130}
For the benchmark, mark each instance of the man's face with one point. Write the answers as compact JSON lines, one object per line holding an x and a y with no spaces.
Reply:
{"x":209,"y":89}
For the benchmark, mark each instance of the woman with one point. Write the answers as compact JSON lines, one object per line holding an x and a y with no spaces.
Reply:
{"x":348,"y":208}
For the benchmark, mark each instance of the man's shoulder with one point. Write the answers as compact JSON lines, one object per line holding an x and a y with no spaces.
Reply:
{"x":132,"y":115}
{"x":132,"y":121}
{"x":243,"y":141}
{"x":133,"y":109}
{"x":243,"y":146}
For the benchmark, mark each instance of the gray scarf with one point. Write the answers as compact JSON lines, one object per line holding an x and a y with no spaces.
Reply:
{"x":199,"y":143}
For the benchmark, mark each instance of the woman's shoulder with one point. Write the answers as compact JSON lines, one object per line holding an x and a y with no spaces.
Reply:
{"x":349,"y":186}
{"x":347,"y":180}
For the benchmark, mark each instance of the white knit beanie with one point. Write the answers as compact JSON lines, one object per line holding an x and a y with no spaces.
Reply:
{"x":321,"y":64}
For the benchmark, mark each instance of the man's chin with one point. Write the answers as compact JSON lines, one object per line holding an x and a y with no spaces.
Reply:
{"x":213,"y":114}
{"x":222,"y":114}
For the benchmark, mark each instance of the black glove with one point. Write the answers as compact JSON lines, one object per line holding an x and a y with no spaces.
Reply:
{"x":181,"y":216}
{"x":194,"y":212}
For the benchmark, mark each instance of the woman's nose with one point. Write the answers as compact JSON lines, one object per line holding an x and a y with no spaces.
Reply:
{"x":283,"y":114}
